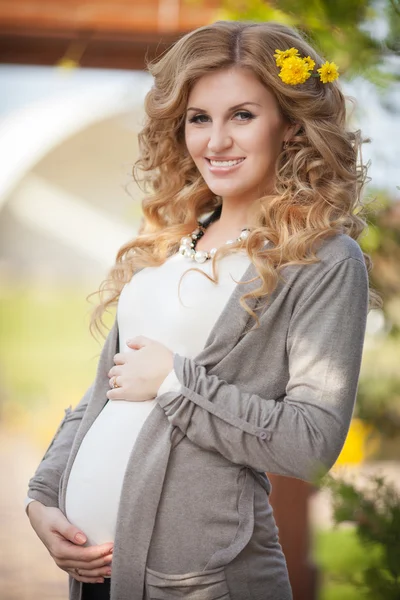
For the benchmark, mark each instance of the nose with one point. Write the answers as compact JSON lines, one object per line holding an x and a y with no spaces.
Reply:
{"x":220,"y":139}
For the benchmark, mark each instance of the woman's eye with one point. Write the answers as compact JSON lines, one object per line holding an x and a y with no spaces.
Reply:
{"x":241,"y":115}
{"x":244,"y":115}
{"x":199,"y":119}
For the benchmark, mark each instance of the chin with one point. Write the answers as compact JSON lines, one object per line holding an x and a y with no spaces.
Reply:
{"x":228,"y":190}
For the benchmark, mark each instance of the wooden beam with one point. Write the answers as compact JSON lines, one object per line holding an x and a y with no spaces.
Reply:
{"x":99,"y":33}
{"x":155,"y":16}
{"x":90,"y":49}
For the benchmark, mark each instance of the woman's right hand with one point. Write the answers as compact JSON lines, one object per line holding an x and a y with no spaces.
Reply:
{"x":64,"y":541}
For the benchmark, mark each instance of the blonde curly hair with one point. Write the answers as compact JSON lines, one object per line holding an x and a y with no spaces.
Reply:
{"x":319,"y":175}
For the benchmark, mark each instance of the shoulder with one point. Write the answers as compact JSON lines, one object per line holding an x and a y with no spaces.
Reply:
{"x":337,"y":249}
{"x":340,"y":261}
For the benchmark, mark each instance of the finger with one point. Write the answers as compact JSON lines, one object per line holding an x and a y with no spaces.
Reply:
{"x":115,"y":382}
{"x":105,"y":561}
{"x":68,"y":531}
{"x":138,"y":341}
{"x":115,"y":371}
{"x":86,"y":579}
{"x":116,"y":393}
{"x":101,"y":572}
{"x":65,"y":551}
{"x":119,"y":359}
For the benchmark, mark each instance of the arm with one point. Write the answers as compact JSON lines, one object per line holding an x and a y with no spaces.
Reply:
{"x":62,"y":539}
{"x":44,"y":485}
{"x":304,"y":431}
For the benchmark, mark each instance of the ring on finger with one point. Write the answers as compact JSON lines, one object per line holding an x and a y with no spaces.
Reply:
{"x":114,"y":383}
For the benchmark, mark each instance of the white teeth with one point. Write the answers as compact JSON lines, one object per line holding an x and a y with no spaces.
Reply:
{"x":225,"y":163}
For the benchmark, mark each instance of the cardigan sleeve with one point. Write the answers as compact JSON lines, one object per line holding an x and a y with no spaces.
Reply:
{"x":44,"y":484}
{"x":302,"y":433}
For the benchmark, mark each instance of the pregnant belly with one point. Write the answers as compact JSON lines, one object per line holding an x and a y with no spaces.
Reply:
{"x":96,"y":478}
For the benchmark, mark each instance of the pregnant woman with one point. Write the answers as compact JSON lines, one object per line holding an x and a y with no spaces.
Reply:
{"x":241,"y":310}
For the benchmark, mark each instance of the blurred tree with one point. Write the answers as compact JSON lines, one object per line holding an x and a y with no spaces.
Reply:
{"x":378,"y":406}
{"x":359,"y":35}
{"x":374,"y":510}
{"x":381,"y":241}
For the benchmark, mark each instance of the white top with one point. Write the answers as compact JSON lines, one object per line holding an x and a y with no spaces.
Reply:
{"x":149,"y":306}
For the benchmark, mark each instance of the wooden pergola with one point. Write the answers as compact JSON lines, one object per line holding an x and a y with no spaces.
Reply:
{"x":124,"y":35}
{"x":100,"y":33}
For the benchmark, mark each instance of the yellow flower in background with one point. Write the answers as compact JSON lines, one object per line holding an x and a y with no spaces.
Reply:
{"x":282,"y":55}
{"x":358,"y":445}
{"x":310,"y":62}
{"x":294,"y":70}
{"x":67,"y":64}
{"x":328,"y":72}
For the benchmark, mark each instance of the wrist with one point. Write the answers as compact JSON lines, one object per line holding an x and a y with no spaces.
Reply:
{"x":169,"y":366}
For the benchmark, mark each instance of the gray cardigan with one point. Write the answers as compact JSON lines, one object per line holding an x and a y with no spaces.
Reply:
{"x":278,"y":399}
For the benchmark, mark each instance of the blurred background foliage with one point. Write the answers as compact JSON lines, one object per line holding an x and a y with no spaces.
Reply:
{"x":359,"y":35}
{"x":47,"y":356}
{"x":372,"y":568}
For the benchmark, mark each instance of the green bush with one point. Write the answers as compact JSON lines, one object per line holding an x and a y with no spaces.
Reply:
{"x":375,"y":514}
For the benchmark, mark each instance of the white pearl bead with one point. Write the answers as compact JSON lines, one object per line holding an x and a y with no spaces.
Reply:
{"x":200,"y":256}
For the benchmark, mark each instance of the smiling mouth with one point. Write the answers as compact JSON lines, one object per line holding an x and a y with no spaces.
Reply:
{"x":224,"y":163}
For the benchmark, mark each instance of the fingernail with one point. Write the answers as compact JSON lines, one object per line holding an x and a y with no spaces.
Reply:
{"x":108,"y":571}
{"x":80,"y":538}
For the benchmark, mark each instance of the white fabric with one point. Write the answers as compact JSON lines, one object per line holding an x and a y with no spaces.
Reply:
{"x":149,"y":306}
{"x":27,"y":502}
{"x":170,"y":384}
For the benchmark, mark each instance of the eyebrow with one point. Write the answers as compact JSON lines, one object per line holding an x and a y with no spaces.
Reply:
{"x":229,"y":109}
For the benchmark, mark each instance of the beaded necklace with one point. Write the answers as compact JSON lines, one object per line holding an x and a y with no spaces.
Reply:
{"x":188,"y":243}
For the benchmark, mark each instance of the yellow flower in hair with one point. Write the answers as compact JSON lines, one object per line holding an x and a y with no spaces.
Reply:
{"x":282,"y":55}
{"x":328,"y":72}
{"x":310,"y":62}
{"x":294,"y":70}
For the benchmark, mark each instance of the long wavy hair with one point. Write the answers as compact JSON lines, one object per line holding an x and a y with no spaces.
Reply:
{"x":319,"y":175}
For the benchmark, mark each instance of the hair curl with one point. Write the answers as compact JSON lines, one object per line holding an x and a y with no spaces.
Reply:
{"x":319,"y":175}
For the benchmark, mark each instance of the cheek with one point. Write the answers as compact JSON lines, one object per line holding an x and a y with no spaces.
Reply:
{"x":250,"y":138}
{"x":265,"y":142}
{"x":194,"y":143}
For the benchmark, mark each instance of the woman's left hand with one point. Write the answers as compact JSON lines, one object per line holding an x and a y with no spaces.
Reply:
{"x":140,"y":373}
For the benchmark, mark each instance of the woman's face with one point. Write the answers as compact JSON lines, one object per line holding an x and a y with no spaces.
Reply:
{"x":234,"y":132}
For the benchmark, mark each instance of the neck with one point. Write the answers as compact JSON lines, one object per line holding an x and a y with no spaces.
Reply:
{"x":233,"y":218}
